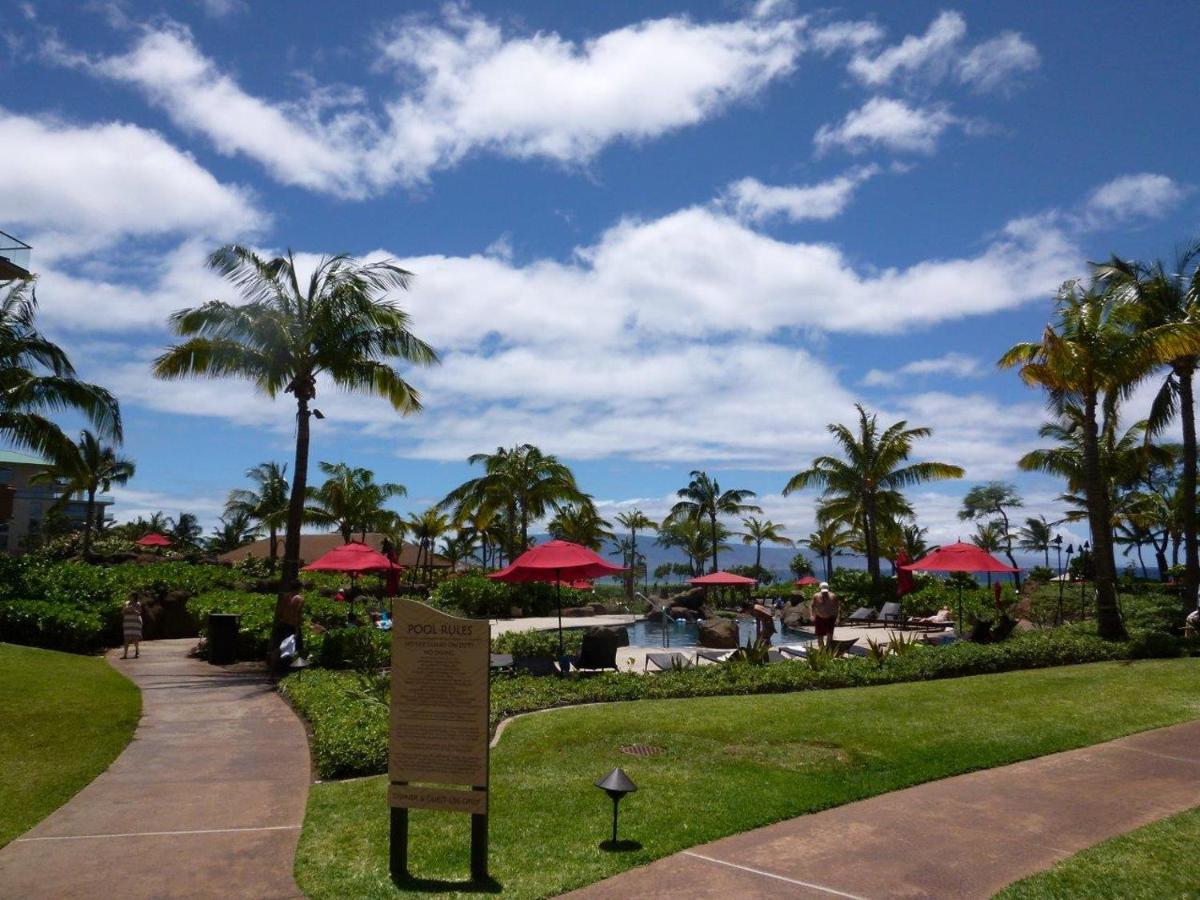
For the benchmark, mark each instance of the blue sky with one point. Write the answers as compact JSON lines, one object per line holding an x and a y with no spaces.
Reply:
{"x":649,"y":237}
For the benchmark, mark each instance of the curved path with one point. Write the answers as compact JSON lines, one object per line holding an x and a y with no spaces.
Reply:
{"x":966,"y":836}
{"x":206,"y":801}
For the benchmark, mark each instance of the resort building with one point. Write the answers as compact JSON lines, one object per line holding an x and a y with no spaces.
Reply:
{"x":313,"y":546}
{"x":14,"y":258}
{"x":23,"y":505}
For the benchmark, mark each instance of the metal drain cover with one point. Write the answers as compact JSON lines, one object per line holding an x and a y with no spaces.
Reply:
{"x":641,"y":750}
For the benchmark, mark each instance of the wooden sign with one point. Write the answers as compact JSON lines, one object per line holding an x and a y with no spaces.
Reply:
{"x":439,"y":723}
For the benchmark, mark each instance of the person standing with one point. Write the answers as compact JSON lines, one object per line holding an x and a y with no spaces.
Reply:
{"x":764,"y":621}
{"x":131,"y":626}
{"x":288,"y":617}
{"x":825,"y":607}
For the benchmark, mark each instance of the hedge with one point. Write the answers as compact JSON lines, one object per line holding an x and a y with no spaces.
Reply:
{"x":477,"y":596}
{"x":350,"y":735}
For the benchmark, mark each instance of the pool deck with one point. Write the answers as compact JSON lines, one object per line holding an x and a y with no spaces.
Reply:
{"x":633,"y":659}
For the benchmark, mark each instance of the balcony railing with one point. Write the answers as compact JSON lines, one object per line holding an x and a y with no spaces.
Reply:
{"x":14,"y":257}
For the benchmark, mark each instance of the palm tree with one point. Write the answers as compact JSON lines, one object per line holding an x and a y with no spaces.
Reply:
{"x":266,"y":503}
{"x":37,"y":378}
{"x":88,"y":467}
{"x":350,"y":499}
{"x":459,"y":547}
{"x":1035,"y":536}
{"x":635,"y":520}
{"x":284,"y":336}
{"x":521,"y":484}
{"x":185,"y":530}
{"x":863,"y":488}
{"x":1167,"y":299}
{"x":992,"y":501}
{"x":427,"y":527}
{"x":704,"y":501}
{"x":989,"y":537}
{"x":831,"y":536}
{"x":1087,"y":360}
{"x":693,"y":538}
{"x":581,"y":524}
{"x":759,"y":532}
{"x":237,"y":529}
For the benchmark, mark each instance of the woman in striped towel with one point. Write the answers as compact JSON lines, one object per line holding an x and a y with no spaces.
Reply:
{"x":131,"y":621}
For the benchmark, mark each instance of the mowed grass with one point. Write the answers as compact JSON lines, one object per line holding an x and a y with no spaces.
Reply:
{"x":1153,"y":862}
{"x":728,"y":764}
{"x":63,"y":719}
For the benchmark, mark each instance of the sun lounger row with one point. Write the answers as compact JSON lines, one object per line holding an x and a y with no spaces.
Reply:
{"x":892,"y":614}
{"x":666,"y":662}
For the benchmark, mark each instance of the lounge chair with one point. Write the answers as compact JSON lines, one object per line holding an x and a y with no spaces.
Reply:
{"x":501,"y":661}
{"x":712,"y":656}
{"x":535,"y":665}
{"x":846,"y":648}
{"x":929,"y":623}
{"x":864,"y":615}
{"x":793,"y":652}
{"x":981,"y":633}
{"x":889,"y":614}
{"x":1003,"y":629}
{"x":666,"y":662}
{"x":596,"y":653}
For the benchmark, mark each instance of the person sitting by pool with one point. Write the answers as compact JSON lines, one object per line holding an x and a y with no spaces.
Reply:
{"x":764,"y":621}
{"x":942,"y":617}
{"x":1191,"y":624}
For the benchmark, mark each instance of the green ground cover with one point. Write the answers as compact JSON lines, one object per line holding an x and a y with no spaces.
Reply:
{"x":1156,"y":861}
{"x":66,"y":717}
{"x":728,"y":764}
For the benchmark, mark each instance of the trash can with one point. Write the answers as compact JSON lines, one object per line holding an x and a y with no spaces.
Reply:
{"x":222,"y":638}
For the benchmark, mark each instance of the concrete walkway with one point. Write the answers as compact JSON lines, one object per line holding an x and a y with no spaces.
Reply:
{"x":967,"y":836}
{"x":206,"y":801}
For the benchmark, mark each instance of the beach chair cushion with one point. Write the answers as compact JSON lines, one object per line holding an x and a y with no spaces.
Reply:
{"x":665,"y":662}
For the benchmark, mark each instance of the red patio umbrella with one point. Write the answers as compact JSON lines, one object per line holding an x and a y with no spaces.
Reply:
{"x":806,"y":581}
{"x":958,"y":557}
{"x":153,"y":539}
{"x":556,"y":561}
{"x":353,"y":559}
{"x":722,"y":579}
{"x":904,"y":579}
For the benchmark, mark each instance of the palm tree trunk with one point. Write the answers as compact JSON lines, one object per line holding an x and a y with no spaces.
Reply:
{"x":89,"y":516}
{"x":273,"y":552}
{"x":291,"y":542}
{"x":870,"y":540}
{"x":716,"y":567}
{"x":1008,"y":550}
{"x":757,"y":557}
{"x":1108,"y":615}
{"x":631,"y":576}
{"x":828,"y":560}
{"x":1047,"y":549}
{"x":1187,"y":484}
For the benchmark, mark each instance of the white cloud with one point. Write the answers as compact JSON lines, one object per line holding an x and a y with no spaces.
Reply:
{"x":992,"y":64}
{"x":133,"y":502}
{"x":845,"y":35}
{"x":1142,"y":196}
{"x":220,"y":9}
{"x":957,"y":365}
{"x":888,"y":123}
{"x":76,"y":188}
{"x":753,"y":201}
{"x":467,"y":87}
{"x":913,"y":53}
{"x":940,"y":53}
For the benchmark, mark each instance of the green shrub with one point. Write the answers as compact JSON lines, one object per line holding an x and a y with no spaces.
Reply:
{"x":56,"y":625}
{"x":257,"y":613}
{"x":479,"y":597}
{"x":543,"y":644}
{"x":1154,"y":645}
{"x":1152,"y":611}
{"x":364,"y":648}
{"x":350,"y":736}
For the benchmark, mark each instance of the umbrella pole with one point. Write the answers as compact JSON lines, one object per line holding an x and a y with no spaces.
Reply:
{"x":558,"y":597}
{"x":960,"y":621}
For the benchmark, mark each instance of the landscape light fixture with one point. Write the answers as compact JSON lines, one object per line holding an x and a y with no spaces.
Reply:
{"x":318,"y":414}
{"x":616,"y":784}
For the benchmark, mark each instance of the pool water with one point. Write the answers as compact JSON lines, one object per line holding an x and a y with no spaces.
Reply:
{"x":645,"y":633}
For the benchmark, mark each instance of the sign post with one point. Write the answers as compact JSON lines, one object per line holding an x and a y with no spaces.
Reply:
{"x":438,"y":749}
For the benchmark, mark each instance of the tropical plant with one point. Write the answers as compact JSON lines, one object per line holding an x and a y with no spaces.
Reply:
{"x":693,"y":538}
{"x":88,"y":467}
{"x":635,"y":520}
{"x":1167,"y":300}
{"x":759,"y":532}
{"x":427,"y":528}
{"x":703,"y":501}
{"x":265,"y":504}
{"x":581,"y":524}
{"x":862,"y":488}
{"x":991,"y":501}
{"x":800,"y":566}
{"x":184,"y":530}
{"x":520,"y":484}
{"x":989,"y":537}
{"x":350,"y":499}
{"x":37,"y":379}
{"x":827,"y":541}
{"x":1089,"y":359}
{"x":1035,"y":536}
{"x":458,"y":547}
{"x":236,"y":529}
{"x":283,"y":337}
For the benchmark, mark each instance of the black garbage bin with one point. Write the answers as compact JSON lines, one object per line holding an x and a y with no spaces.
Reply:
{"x":222,"y":638}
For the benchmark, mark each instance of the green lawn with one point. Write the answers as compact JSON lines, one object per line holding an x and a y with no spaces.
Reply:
{"x":65,"y":718}
{"x":1153,"y":862}
{"x":729,"y":764}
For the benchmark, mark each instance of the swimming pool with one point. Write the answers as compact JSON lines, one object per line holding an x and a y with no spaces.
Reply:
{"x":645,"y":633}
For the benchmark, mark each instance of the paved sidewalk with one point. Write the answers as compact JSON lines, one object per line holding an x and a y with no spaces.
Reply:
{"x":206,"y":801}
{"x":966,"y":836}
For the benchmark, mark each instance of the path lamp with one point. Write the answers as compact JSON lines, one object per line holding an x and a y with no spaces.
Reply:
{"x":1070,"y":550}
{"x":616,"y":784}
{"x":1058,"y":548}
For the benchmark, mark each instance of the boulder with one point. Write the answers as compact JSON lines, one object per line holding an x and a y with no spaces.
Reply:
{"x":599,"y":608}
{"x":720,"y":634}
{"x":692,"y":598}
{"x":577,"y":612}
{"x":794,"y":616}
{"x":617,"y":635}
{"x":683,"y":614}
